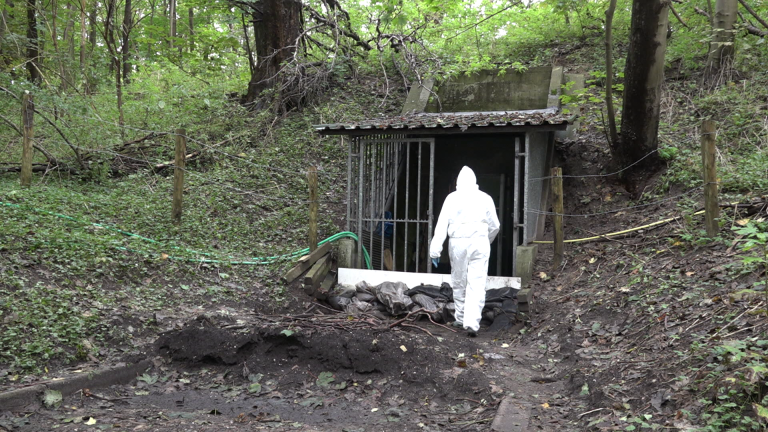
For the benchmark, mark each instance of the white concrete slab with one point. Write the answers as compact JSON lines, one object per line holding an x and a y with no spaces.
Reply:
{"x":349,"y":276}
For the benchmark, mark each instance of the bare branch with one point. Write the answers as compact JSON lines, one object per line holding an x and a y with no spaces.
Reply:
{"x":753,"y":13}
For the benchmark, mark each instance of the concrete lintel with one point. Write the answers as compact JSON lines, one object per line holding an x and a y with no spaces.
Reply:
{"x":526,"y":256}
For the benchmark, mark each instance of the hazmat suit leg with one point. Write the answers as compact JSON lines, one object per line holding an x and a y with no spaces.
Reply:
{"x":477,"y":275}
{"x":457,"y":251}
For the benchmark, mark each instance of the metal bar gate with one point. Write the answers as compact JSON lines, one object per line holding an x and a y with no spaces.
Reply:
{"x":390,"y":184}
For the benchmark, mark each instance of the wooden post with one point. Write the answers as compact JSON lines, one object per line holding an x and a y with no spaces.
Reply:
{"x":557,"y":197}
{"x":178,"y":174}
{"x":708,"y":153}
{"x":312,"y":179}
{"x":27,"y":119}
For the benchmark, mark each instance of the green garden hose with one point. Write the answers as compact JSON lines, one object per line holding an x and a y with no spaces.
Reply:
{"x":251,"y":261}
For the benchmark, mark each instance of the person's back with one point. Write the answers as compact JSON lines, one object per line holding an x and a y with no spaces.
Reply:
{"x":469,"y":218}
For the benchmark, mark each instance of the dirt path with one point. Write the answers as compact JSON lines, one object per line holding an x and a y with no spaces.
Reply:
{"x":207,"y":379}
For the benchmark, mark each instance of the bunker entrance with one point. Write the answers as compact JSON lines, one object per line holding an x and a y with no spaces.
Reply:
{"x":397,"y":187}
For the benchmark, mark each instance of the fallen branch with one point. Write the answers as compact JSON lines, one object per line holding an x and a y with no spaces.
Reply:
{"x":753,"y":13}
{"x":171,"y":163}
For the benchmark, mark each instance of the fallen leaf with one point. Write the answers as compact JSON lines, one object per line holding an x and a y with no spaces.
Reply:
{"x":543,"y":276}
{"x":324,"y":379}
{"x":545,"y":405}
{"x":742,"y":222}
{"x":592,"y":260}
{"x":91,"y":421}
{"x":163,"y":256}
{"x":505,"y":345}
{"x":52,"y":398}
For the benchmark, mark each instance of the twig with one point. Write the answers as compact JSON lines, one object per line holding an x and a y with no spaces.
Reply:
{"x":739,"y":331}
{"x":420,"y":328}
{"x":590,"y":412}
{"x":734,"y":320}
{"x":678,"y":16}
{"x":398,"y":322}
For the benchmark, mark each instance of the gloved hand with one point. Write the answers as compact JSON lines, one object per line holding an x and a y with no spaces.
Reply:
{"x":435,"y":261}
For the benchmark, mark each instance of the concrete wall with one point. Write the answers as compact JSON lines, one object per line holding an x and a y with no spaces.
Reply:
{"x":488,"y":91}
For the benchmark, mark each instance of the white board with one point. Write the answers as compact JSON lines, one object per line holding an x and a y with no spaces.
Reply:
{"x":348,"y":276}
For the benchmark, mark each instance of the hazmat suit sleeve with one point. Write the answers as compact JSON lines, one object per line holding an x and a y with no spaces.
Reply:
{"x":493,"y":221}
{"x":441,"y":230}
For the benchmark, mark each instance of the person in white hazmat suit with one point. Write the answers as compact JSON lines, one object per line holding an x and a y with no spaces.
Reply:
{"x":469,"y":219}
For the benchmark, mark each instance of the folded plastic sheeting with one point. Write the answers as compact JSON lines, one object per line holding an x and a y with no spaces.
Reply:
{"x":393,"y":296}
{"x":395,"y":299}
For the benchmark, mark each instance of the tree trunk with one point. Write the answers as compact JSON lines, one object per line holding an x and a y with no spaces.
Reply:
{"x":191,"y":29}
{"x":276,"y":25}
{"x":150,"y":47}
{"x":612,"y":133}
{"x":69,"y":40}
{"x":3,"y":31}
{"x":172,"y":18}
{"x":33,"y":52}
{"x":83,"y":37}
{"x":125,"y":45}
{"x":721,"y":49}
{"x":644,"y":76}
{"x":109,"y":38}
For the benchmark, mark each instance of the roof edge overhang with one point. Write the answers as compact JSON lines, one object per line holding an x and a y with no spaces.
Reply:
{"x":353,"y":129}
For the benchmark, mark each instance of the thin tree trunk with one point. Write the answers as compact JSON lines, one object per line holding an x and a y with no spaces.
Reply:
{"x":150,"y":48}
{"x":644,"y":76}
{"x":721,"y":49}
{"x":613,"y":134}
{"x":83,"y":37}
{"x":69,"y":40}
{"x":33,"y":51}
{"x":172,"y":18}
{"x":248,"y":51}
{"x":125,"y":46}
{"x":109,"y":37}
{"x":191,"y":29}
{"x":4,"y":29}
{"x":54,"y":31}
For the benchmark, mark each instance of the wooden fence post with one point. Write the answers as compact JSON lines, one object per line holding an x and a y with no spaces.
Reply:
{"x":557,"y":197}
{"x":27,"y":119}
{"x":312,"y":179}
{"x":178,"y":174}
{"x":708,"y":157}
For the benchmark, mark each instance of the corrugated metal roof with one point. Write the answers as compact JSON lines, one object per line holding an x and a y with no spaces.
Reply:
{"x":459,"y":120}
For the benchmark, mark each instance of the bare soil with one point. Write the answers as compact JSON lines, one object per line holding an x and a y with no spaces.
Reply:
{"x":610,"y":337}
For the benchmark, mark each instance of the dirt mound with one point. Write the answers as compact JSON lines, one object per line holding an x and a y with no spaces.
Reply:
{"x":415,"y":365}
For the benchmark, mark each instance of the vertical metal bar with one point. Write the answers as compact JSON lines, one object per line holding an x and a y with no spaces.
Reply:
{"x":515,"y":206}
{"x":361,"y":170}
{"x":349,"y":180}
{"x":418,"y":210}
{"x":394,"y":212}
{"x":526,"y":186}
{"x":407,"y":200}
{"x":371,"y":200}
{"x":430,"y":217}
{"x":499,"y":247}
{"x":382,"y":196}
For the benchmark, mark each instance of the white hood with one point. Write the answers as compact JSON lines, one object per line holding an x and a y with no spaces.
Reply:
{"x":466,"y":179}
